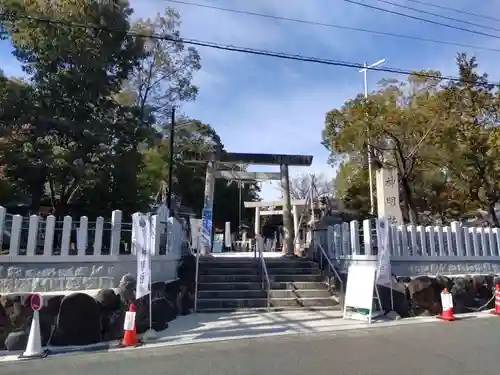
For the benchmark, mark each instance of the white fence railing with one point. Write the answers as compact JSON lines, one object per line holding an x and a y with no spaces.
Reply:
{"x":412,"y":242}
{"x":48,"y":237}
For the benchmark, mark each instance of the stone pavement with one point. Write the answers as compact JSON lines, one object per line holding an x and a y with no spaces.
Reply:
{"x":238,"y":325}
{"x":214,"y":327}
{"x":465,"y":347}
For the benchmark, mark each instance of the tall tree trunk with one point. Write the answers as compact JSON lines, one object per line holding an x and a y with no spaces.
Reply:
{"x":492,"y":214}
{"x":408,"y":200}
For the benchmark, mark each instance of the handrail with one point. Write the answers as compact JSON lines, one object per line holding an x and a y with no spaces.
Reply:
{"x":332,"y":267}
{"x":259,"y":244}
{"x":196,"y":279}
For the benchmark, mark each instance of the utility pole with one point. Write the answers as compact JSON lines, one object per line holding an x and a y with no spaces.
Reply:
{"x":370,"y":172}
{"x":171,"y":162}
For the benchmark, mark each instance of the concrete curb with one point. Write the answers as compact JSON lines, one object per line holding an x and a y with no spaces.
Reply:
{"x":168,"y":341}
{"x":6,"y":356}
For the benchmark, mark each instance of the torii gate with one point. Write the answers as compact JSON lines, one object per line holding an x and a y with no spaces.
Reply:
{"x":213,"y":158}
{"x":296,"y":205}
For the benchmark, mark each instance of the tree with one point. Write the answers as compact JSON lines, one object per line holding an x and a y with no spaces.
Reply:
{"x":399,"y":120}
{"x":189,"y":178}
{"x":301,"y":184}
{"x":164,"y":77}
{"x":471,"y":138}
{"x":351,"y":187}
{"x":75,"y":128}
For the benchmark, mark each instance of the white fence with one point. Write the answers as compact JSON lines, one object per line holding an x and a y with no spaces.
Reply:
{"x":414,"y":241}
{"x":416,"y":250}
{"x":51,"y":240}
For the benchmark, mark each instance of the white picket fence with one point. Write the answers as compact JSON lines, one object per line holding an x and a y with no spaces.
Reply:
{"x":412,"y":242}
{"x":42,"y":238}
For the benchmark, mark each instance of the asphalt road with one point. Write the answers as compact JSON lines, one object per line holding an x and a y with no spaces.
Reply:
{"x":469,"y":347}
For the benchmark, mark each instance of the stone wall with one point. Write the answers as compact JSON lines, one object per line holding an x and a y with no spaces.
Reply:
{"x":47,"y":275}
{"x":448,"y":266}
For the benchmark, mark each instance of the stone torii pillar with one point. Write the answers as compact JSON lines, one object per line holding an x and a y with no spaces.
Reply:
{"x":288,"y":225}
{"x":257,"y":221}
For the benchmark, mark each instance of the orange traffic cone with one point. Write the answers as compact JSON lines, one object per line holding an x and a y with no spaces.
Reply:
{"x":497,"y":300}
{"x":130,"y":335}
{"x":447,"y":303}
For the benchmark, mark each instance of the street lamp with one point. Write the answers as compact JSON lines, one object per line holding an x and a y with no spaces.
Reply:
{"x":364,"y":71}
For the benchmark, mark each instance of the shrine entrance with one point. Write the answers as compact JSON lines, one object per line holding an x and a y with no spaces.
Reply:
{"x":223,"y":160}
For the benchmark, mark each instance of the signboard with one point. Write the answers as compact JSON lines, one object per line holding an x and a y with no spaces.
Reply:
{"x":36,"y":302}
{"x":360,"y":291}
{"x":206,"y":226}
{"x":388,"y":196}
{"x":141,"y":230}
{"x":218,"y":242}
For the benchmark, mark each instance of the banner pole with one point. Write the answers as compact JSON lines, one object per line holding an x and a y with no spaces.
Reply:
{"x":150,"y":272}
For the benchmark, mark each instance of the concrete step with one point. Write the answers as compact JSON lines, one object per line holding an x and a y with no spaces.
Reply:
{"x":301,"y":293}
{"x":231,"y":294}
{"x":293,"y":278}
{"x":299,"y":285}
{"x":292,"y":263}
{"x":253,"y":278}
{"x":291,"y":285}
{"x":228,"y":270}
{"x":243,"y":303}
{"x":293,"y":271}
{"x":272,"y":308}
{"x":255,"y":270}
{"x":241,"y":294}
{"x":229,"y":286}
{"x":229,"y":264}
{"x":257,"y":278}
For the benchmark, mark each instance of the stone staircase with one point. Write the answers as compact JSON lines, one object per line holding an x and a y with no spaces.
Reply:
{"x":235,"y":284}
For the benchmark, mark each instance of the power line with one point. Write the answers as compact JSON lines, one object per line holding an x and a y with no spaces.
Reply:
{"x":438,"y":15}
{"x":455,"y":10}
{"x":227,"y":47}
{"x":330,"y":25}
{"x":423,"y":19}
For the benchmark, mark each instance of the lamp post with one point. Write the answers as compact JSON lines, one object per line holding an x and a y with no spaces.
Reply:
{"x":370,"y":178}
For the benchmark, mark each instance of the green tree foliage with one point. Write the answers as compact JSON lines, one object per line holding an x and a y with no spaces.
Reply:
{"x":189,"y":178}
{"x":85,"y":132}
{"x":351,"y":187}
{"x":441,"y":137}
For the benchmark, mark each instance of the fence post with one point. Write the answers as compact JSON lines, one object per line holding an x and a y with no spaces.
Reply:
{"x":48,"y":243}
{"x":82,"y":235}
{"x":459,"y":241}
{"x":367,"y":236}
{"x":329,"y":239}
{"x":432,"y":240}
{"x":155,"y":234}
{"x":32,"y":235}
{"x":15,"y":235}
{"x":66,"y":235}
{"x":116,"y":225}
{"x":98,"y":233}
{"x":354,"y":229}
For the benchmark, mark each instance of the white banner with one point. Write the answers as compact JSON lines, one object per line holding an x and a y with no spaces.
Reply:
{"x":141,"y":230}
{"x":384,"y":274}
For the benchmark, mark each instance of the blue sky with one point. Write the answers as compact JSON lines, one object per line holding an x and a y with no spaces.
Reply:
{"x":260,"y":104}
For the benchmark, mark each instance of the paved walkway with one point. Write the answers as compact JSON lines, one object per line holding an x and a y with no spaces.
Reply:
{"x":464,"y":347}
{"x":210,"y":327}
{"x":247,"y":254}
